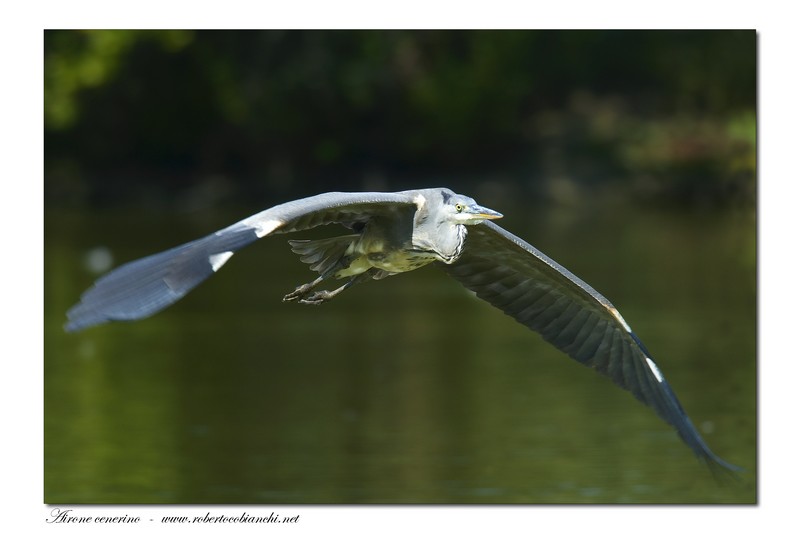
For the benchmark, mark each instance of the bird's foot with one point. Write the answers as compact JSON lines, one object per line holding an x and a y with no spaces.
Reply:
{"x":318,"y":297}
{"x":301,"y":295}
{"x":300,"y":292}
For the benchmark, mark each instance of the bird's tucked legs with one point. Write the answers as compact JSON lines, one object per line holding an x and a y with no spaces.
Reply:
{"x":301,"y":293}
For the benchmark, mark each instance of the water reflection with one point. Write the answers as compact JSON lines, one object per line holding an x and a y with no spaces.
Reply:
{"x":406,"y":390}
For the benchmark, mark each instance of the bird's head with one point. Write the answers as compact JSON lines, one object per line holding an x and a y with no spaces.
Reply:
{"x":464,"y":210}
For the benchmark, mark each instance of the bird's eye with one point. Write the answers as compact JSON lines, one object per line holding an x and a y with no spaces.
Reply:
{"x":459,"y":208}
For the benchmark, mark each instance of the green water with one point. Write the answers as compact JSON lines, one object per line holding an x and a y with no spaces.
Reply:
{"x":407,"y":390}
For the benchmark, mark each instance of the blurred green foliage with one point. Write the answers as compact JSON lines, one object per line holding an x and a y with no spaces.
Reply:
{"x":85,"y":60}
{"x":661,"y":114}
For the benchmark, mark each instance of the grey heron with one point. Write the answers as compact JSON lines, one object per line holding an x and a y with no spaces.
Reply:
{"x":399,"y":232}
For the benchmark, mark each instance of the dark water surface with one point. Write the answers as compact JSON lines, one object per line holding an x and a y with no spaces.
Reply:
{"x":405,"y":390}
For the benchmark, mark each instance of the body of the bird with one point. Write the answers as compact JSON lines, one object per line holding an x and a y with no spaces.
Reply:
{"x":399,"y":240}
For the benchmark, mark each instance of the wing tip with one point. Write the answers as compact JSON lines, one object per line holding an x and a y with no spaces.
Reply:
{"x":79,"y":319}
{"x":74,"y":326}
{"x":723,"y":471}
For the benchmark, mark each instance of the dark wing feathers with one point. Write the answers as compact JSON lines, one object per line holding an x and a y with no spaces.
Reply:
{"x":141,"y":288}
{"x":524,"y":283}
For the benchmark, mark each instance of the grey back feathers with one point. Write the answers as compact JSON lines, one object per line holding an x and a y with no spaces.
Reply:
{"x":397,"y":232}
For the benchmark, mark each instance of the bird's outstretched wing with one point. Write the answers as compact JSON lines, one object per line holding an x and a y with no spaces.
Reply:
{"x":524,"y":283}
{"x":141,"y":288}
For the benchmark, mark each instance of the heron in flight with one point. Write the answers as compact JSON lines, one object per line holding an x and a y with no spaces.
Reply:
{"x":399,"y":232}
